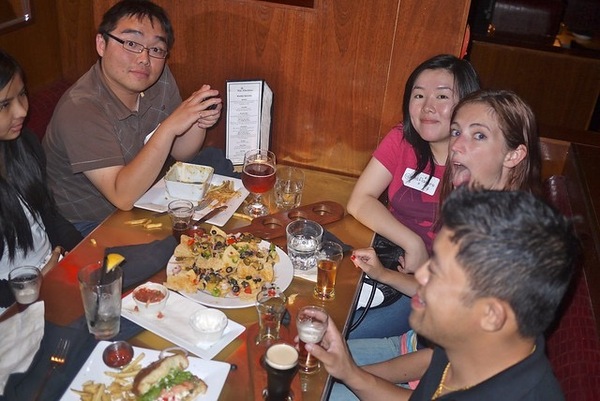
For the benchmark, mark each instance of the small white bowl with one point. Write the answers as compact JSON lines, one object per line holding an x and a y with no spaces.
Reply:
{"x":188,"y":181}
{"x":209,"y":324}
{"x":150,"y":298}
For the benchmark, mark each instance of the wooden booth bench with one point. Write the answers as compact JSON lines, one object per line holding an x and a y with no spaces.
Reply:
{"x":572,"y":182}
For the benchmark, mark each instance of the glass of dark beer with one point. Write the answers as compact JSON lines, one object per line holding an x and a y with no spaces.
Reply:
{"x":281,"y":363}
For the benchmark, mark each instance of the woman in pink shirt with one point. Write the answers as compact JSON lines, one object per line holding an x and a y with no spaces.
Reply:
{"x":409,"y":164}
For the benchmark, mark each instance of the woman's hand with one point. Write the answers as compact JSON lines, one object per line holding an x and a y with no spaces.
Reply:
{"x":55,"y":256}
{"x":414,"y":256}
{"x":366,"y":259}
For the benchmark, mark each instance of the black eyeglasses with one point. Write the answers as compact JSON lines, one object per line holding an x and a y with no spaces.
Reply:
{"x":135,"y":47}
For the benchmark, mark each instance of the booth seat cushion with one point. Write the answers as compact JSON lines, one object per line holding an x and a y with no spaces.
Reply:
{"x":573,"y":343}
{"x":574,"y":348}
{"x":42,"y":104}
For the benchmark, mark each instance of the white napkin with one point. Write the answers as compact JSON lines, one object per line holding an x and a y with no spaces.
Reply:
{"x":310,"y":274}
{"x":21,"y":338}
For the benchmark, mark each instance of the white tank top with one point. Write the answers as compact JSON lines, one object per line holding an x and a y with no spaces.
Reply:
{"x":37,"y":256}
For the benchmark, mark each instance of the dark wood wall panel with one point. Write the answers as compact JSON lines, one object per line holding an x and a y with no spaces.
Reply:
{"x":36,"y":46}
{"x":337,"y":70}
{"x":76,"y":34}
{"x":562,"y":88}
{"x":57,"y":44}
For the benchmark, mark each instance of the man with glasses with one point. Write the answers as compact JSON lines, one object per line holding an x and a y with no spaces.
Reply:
{"x":114,"y":130}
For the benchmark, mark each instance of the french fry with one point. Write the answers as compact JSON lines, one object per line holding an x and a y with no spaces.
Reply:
{"x":134,"y":364}
{"x":243,"y":216}
{"x":98,"y":393}
{"x":121,"y":375}
{"x":120,"y":387}
{"x":138,"y":222}
{"x":222,"y":193}
{"x":152,"y":226}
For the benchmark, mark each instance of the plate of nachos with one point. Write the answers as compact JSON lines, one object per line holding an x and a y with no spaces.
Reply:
{"x":226,"y":270}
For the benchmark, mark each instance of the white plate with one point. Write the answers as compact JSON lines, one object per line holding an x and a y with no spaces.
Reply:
{"x":157,"y":199}
{"x":175,"y":325}
{"x":213,"y":373}
{"x":284,"y":274}
{"x":581,"y":36}
{"x":365,"y":292}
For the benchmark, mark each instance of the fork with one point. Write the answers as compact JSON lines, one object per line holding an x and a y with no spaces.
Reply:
{"x":57,"y":359}
{"x":203,"y":204}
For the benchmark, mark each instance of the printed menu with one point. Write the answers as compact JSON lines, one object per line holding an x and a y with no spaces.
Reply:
{"x":249,"y":107}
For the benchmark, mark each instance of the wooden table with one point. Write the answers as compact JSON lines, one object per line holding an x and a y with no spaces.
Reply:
{"x":63,"y":303}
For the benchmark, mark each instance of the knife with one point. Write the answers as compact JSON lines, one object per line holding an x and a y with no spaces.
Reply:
{"x":210,"y":215}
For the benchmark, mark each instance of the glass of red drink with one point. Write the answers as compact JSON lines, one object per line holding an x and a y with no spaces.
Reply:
{"x":258,"y":176}
{"x":181,"y":212}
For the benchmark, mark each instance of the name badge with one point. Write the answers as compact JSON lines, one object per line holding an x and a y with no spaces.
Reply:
{"x":419,"y":181}
{"x":147,"y":138}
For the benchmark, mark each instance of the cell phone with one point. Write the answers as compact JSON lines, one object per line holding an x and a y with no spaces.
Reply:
{"x":212,"y":106}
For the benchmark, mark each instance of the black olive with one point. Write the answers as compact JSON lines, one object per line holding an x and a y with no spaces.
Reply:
{"x":229,"y":269}
{"x":236,"y":289}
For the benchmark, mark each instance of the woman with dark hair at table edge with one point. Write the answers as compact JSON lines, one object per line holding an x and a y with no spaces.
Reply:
{"x":32,"y":231}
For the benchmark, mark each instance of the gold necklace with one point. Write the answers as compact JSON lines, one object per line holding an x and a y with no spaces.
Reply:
{"x":442,"y":386}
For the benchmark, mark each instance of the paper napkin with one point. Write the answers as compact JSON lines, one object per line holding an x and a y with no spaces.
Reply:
{"x":21,"y":338}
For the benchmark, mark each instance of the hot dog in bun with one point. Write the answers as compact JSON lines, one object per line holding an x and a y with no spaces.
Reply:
{"x":168,"y":379}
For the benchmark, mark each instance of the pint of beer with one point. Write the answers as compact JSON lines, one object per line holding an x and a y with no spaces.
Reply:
{"x":329,"y":257}
{"x":281,"y":363}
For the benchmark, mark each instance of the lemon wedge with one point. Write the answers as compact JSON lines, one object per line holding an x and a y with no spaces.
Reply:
{"x":113,"y":260}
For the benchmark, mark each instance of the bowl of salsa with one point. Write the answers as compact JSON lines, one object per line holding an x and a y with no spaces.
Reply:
{"x":150,"y":298}
{"x":117,"y":354}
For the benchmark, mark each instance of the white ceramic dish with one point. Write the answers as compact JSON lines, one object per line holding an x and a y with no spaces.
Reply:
{"x":284,"y":274}
{"x":152,"y":308}
{"x":209,"y":324}
{"x":175,"y":325}
{"x":157,"y":199}
{"x":188,"y":181}
{"x":213,"y":373}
